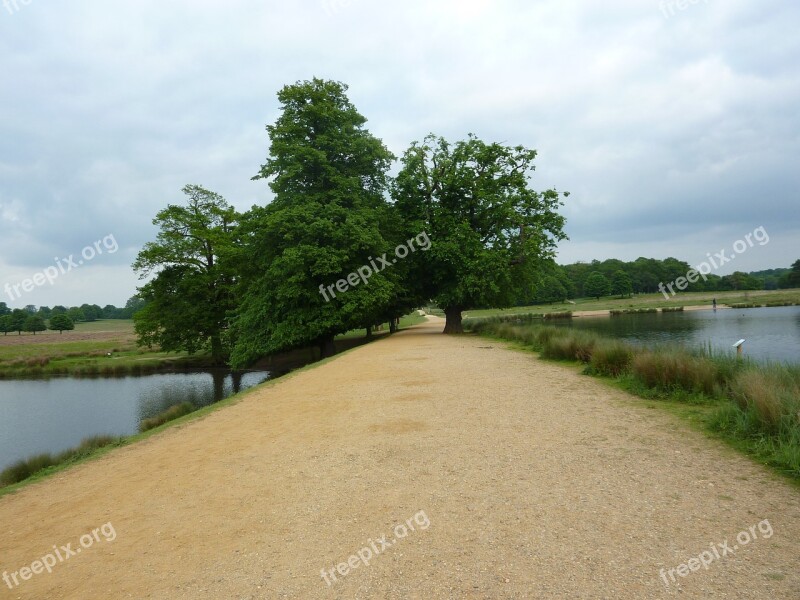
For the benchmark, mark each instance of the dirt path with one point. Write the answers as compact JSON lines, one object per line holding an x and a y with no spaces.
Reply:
{"x":520,"y":479}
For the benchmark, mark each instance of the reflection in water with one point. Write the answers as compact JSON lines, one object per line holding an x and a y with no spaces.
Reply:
{"x":771,"y":333}
{"x":54,"y":414}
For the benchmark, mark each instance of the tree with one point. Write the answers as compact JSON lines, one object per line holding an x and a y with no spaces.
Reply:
{"x":327,"y":221}
{"x":34,"y":323}
{"x":4,"y":310}
{"x":59,"y":310}
{"x":76,"y":314}
{"x":6,"y":324}
{"x":18,"y":317}
{"x":133,"y":305}
{"x":596,"y":285}
{"x":621,"y":284}
{"x":61,"y":323}
{"x":44,"y":312}
{"x":793,"y":279}
{"x":491,"y":233}
{"x":187,"y":302}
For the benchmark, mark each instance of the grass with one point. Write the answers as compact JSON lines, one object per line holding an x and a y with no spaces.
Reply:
{"x":639,"y":301}
{"x":407,"y":321}
{"x":84,"y":352}
{"x":754,"y":407}
{"x":173,"y":412}
{"x":27,"y":468}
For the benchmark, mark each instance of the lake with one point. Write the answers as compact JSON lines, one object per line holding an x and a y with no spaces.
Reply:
{"x":51,"y":415}
{"x":772,"y":334}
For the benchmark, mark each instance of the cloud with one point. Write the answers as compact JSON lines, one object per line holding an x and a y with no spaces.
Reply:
{"x":672,"y":133}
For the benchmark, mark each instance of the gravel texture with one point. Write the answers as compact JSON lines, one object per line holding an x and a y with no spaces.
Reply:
{"x":510,"y":477}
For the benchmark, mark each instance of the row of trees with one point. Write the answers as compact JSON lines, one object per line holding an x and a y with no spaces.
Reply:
{"x":248,"y":285}
{"x":85,"y":312}
{"x":614,"y":277}
{"x":20,"y":320}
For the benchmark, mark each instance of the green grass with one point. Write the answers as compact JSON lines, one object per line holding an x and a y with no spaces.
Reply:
{"x":406,"y":321}
{"x":639,"y":301}
{"x":173,"y":412}
{"x":84,"y":352}
{"x":753,"y":407}
{"x":35,"y":465}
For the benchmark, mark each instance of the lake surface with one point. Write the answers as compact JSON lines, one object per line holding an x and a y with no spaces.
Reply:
{"x":772,"y":334}
{"x":51,"y":415}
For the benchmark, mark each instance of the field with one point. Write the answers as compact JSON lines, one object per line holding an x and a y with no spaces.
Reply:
{"x":649,"y":301}
{"x":83,"y":351}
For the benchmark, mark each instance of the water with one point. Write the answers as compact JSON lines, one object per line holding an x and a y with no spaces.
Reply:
{"x":51,"y":415}
{"x":772,"y":334}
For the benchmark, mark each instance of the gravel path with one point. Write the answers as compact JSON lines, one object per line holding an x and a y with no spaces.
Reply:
{"x":491,"y":475}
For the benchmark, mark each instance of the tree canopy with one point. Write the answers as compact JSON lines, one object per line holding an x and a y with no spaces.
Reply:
{"x":188,"y":301}
{"x":328,"y":219}
{"x":491,"y":232}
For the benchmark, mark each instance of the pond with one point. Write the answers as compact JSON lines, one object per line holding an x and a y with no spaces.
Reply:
{"x":52,"y":415}
{"x":772,"y":334}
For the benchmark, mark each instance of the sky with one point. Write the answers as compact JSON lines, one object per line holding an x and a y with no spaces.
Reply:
{"x":673,"y":124}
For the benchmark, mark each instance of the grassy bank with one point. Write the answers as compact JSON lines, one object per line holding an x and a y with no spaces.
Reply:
{"x":754,"y":407}
{"x":653,"y":301}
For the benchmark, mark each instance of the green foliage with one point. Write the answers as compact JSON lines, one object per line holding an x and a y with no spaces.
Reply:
{"x":61,"y":323}
{"x":6,"y":324}
{"x":186,"y":305}
{"x":793,"y":278}
{"x":596,"y":285}
{"x":621,"y":284}
{"x":329,"y":218}
{"x":34,"y":323}
{"x":491,"y":233}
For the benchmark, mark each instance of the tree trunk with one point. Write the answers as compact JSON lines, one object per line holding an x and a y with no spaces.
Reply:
{"x":369,"y":332}
{"x":453,"y":323}
{"x":216,"y":350}
{"x":326,"y":347}
{"x":392,"y":325}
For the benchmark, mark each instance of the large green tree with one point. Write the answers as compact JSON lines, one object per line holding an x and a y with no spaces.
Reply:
{"x":327,"y":221}
{"x":188,"y":301}
{"x":61,"y":323}
{"x":34,"y":323}
{"x":621,"y":284}
{"x":597,"y":285}
{"x":491,"y":233}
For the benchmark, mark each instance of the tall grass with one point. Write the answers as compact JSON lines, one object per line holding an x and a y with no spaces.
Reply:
{"x":172,"y":413}
{"x":29,"y":467}
{"x":755,"y":406}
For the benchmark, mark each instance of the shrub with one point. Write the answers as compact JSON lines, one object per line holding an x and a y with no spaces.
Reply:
{"x":559,"y":315}
{"x":670,"y":309}
{"x":572,"y":345}
{"x":772,"y":393}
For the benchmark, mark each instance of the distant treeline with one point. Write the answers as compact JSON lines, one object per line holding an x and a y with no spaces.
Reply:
{"x":643,"y":276}
{"x":84,"y":312}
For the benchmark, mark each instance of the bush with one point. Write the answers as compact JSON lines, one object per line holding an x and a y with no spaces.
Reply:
{"x":670,"y":309}
{"x":772,"y":394}
{"x":172,"y":413}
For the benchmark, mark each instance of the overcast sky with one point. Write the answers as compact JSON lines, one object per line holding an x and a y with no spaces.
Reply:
{"x":676,"y":128}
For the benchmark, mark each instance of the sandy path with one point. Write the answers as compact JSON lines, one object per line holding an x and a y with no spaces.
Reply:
{"x":536,"y":482}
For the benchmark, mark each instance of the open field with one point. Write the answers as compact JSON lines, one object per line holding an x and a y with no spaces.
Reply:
{"x":522,"y":479}
{"x":83,"y":351}
{"x":648,"y":301}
